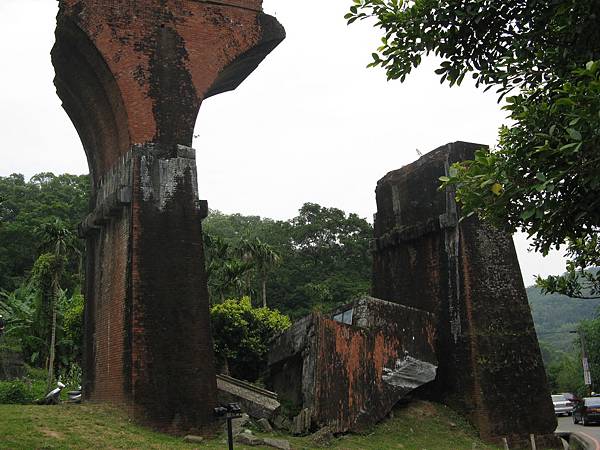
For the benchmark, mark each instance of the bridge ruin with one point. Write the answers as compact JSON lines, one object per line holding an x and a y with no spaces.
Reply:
{"x":466,"y":272}
{"x":132,"y":75}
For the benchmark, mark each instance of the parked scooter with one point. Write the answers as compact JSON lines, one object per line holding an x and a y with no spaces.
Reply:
{"x":52,"y":397}
{"x":74,"y":396}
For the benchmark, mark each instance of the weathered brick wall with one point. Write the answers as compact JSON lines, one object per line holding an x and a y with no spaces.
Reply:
{"x":354,"y":368}
{"x":348,"y":376}
{"x":467,"y":273}
{"x":132,"y":75}
{"x":111,"y":286}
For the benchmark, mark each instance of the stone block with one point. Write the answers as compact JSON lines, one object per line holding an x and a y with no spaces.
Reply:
{"x":264,"y":425}
{"x":259,"y":403}
{"x":280,"y":444}
{"x":248,"y":439}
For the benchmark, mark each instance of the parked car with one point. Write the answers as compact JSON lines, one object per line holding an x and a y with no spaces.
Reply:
{"x":562,"y":404}
{"x":587,"y":410}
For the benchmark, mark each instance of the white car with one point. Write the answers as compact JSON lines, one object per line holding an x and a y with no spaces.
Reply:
{"x":562,"y":405}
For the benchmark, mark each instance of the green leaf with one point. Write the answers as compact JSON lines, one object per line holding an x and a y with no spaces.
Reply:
{"x":574,"y":134}
{"x":528,"y":213}
{"x":569,"y":146}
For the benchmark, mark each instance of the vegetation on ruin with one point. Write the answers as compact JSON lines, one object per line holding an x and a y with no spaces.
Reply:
{"x":414,"y":427}
{"x":543,"y":176}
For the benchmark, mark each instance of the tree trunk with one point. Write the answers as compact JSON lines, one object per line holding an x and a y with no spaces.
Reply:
{"x":264,"y":292}
{"x":52,"y":336}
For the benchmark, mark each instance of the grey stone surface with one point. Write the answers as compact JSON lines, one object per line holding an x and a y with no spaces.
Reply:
{"x":160,"y":177}
{"x":409,"y":373}
{"x":265,"y":425}
{"x":282,"y":422}
{"x":280,"y":444}
{"x":248,"y":439}
{"x":257,"y":402}
{"x":238,"y":425}
{"x":302,"y":421}
{"x":322,"y":438}
{"x":193,"y":439}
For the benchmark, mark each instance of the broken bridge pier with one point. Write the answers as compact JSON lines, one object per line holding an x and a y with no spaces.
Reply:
{"x":132,"y":76}
{"x":346,"y":370}
{"x":467,"y":274}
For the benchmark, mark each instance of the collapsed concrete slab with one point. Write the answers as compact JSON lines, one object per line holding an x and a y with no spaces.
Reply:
{"x":259,"y":403}
{"x":347,"y":369}
{"x":467,"y":274}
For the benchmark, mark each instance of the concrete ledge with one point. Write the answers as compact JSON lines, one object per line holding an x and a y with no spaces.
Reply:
{"x":579,"y":440}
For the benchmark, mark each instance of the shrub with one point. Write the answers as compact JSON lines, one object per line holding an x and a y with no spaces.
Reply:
{"x":16,"y":392}
{"x":242,"y":335}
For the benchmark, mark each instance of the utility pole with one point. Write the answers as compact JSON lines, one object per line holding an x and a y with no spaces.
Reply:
{"x":587,"y":375}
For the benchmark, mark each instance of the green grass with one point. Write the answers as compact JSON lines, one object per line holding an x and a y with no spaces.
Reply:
{"x":418,"y":426}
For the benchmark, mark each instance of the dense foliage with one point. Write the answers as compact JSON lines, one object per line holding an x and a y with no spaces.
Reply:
{"x":24,"y":207}
{"x":23,"y":391}
{"x":235,"y":268}
{"x":40,"y":268}
{"x":242,"y":335}
{"x":318,"y":259}
{"x":324,"y":258}
{"x":543,"y":175}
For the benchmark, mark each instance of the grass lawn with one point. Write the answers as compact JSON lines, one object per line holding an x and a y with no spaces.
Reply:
{"x":417,"y":426}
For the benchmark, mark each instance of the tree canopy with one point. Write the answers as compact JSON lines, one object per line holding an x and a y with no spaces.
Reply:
{"x":543,"y":177}
{"x":24,"y":207}
{"x":323,"y":258}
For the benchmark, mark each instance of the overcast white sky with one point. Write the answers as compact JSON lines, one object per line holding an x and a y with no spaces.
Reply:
{"x":312,"y":124}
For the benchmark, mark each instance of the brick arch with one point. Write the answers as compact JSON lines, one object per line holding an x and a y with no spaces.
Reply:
{"x":90,"y":96}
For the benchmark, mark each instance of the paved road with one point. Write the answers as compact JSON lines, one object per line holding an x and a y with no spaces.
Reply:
{"x":566,"y":424}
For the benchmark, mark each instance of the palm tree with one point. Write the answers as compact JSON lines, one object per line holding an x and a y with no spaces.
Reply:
{"x":236,"y":277}
{"x":264,"y":259}
{"x":57,"y":240}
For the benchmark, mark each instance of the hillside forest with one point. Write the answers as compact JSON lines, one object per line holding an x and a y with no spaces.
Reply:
{"x":263,"y":274}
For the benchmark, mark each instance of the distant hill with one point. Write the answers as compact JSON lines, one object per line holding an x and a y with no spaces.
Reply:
{"x":555,"y":315}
